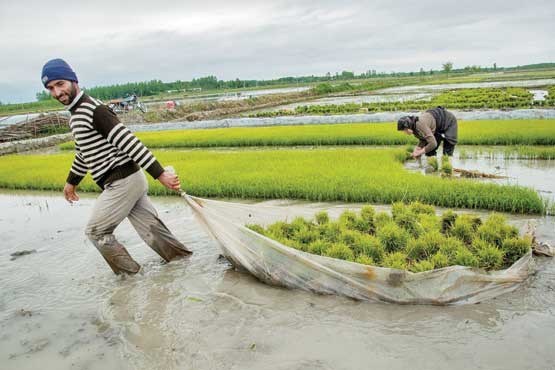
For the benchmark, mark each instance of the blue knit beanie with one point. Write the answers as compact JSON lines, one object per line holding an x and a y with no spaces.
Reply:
{"x":57,"y":69}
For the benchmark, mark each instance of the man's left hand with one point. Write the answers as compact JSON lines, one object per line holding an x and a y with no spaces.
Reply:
{"x":170,"y":180}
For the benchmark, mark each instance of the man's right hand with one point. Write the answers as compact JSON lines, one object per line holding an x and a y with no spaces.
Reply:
{"x":417,"y":152}
{"x":69,"y":193}
{"x":170,"y":180}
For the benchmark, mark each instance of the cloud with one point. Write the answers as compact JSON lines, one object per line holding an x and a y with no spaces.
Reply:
{"x":109,"y":42}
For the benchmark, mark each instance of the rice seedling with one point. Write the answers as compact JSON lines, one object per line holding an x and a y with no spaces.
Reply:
{"x":432,"y":164}
{"x":440,"y":260}
{"x":393,"y":237}
{"x":348,"y":175}
{"x":318,"y":247}
{"x":447,"y":221}
{"x":392,"y":245}
{"x":513,"y":248}
{"x":322,"y":218}
{"x":511,"y":152}
{"x":485,"y":132}
{"x":463,"y":230}
{"x":396,"y":260}
{"x":475,"y":98}
{"x":370,"y":246}
{"x":446,"y":167}
{"x":364,"y":260}
{"x":421,"y":266}
{"x":340,"y":251}
{"x":464,"y":257}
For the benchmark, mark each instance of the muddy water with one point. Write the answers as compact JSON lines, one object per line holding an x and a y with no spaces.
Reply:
{"x":61,"y":308}
{"x":536,"y":174}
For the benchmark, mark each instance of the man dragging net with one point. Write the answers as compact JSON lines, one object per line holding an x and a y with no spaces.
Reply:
{"x":114,"y":157}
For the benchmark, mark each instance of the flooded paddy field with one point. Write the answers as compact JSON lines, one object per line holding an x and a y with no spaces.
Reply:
{"x":228,"y":96}
{"x":534,"y":173}
{"x":467,"y":85}
{"x":62,"y":308}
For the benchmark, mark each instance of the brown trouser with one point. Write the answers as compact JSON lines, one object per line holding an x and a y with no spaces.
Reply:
{"x":123,"y":198}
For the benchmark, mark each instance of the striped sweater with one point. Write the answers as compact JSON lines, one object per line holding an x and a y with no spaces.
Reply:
{"x":104,"y":146}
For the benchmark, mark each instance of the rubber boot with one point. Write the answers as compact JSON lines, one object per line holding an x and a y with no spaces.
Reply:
{"x":116,"y":256}
{"x":165,"y":244}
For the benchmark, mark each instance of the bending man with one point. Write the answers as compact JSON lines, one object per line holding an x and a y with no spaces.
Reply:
{"x":433,"y":127}
{"x":114,"y":157}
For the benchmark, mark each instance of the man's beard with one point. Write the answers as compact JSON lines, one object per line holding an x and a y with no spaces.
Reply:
{"x":72,"y":94}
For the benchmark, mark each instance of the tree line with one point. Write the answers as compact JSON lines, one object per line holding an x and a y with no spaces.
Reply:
{"x":154,"y":87}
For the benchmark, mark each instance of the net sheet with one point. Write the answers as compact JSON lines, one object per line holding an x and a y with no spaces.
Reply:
{"x":276,"y":264}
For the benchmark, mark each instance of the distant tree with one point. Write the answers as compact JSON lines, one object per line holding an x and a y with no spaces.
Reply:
{"x":347,"y":75}
{"x":495,"y":66}
{"x":422,"y":73}
{"x":43,"y":95}
{"x":447,"y":67}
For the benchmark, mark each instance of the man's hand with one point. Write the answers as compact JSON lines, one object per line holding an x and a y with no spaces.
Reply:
{"x":417,"y":152}
{"x":69,"y":193}
{"x":170,"y":180}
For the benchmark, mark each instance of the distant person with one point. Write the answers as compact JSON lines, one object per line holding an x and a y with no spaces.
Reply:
{"x":433,"y":127}
{"x":112,"y":154}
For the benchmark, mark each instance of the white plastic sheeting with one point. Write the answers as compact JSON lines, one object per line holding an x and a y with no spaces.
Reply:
{"x":276,"y":264}
{"x":340,"y":118}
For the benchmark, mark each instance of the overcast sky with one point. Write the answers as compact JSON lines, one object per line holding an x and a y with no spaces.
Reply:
{"x":108,"y":42}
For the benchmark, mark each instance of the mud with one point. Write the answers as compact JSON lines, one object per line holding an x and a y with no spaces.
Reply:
{"x":198,"y":313}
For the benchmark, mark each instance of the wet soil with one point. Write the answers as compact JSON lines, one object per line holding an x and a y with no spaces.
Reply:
{"x":62,"y":307}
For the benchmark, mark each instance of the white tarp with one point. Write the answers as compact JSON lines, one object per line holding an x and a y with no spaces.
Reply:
{"x":277,"y":264}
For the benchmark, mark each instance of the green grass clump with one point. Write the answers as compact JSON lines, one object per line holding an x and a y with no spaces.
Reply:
{"x":393,"y":237}
{"x":340,"y":251}
{"x":364,"y":260}
{"x":484,"y":132}
{"x":514,"y":248}
{"x":463,"y":230}
{"x":432,"y":163}
{"x":495,"y":230}
{"x":464,"y":257}
{"x":429,"y":222}
{"x":448,"y":221}
{"x":446,"y":166}
{"x":422,"y":266}
{"x":491,"y":245}
{"x":370,"y":246}
{"x":396,"y":260}
{"x":490,"y":257}
{"x":348,"y":175}
{"x":322,"y":218}
{"x":440,"y":260}
{"x":544,"y":152}
{"x":421,"y":208}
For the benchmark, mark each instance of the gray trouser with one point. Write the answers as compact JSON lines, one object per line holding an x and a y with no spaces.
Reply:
{"x":123,"y":198}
